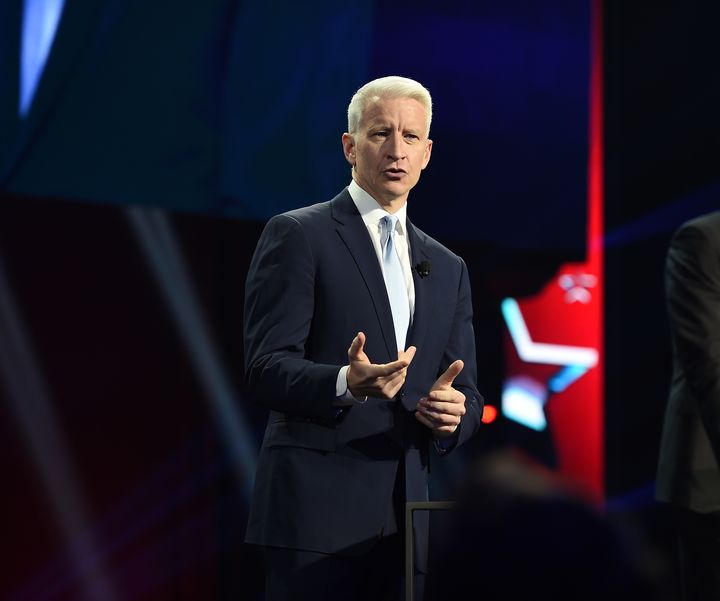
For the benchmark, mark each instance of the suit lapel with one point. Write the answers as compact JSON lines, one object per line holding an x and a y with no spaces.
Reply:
{"x":354,"y":234}
{"x":423,"y":300}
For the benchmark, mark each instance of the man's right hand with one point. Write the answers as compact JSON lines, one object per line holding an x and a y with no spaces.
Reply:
{"x":369,"y":379}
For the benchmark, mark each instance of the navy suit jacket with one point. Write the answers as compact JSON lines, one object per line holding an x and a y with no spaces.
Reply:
{"x":325,"y":482}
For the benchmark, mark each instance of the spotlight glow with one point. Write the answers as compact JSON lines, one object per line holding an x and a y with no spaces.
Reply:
{"x":39,"y":25}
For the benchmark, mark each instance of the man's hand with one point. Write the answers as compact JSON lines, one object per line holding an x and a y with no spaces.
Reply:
{"x":369,"y":379}
{"x":443,"y":407}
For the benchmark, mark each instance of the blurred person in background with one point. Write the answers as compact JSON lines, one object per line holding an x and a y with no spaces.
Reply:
{"x":689,"y":467}
{"x":518,"y":532}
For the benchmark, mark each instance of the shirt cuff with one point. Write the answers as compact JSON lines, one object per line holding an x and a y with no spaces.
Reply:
{"x":343,"y":396}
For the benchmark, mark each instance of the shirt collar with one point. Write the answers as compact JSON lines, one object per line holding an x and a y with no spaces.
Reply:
{"x":371,"y":212}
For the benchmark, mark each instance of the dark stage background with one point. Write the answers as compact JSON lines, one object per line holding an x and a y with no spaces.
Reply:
{"x":160,"y":138}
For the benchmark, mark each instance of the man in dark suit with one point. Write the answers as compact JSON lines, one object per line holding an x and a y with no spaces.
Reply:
{"x":350,"y":429}
{"x":689,"y":466}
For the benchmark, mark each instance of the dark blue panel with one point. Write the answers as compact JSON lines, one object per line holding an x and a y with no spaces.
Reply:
{"x":510,"y":86}
{"x":237,"y":108}
{"x":291,"y":76}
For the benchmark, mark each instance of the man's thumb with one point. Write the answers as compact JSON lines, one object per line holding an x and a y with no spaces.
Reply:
{"x":356,"y":346}
{"x":446,"y":379}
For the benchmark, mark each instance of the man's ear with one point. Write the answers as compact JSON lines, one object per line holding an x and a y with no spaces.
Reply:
{"x":348,"y":142}
{"x":426,"y":156}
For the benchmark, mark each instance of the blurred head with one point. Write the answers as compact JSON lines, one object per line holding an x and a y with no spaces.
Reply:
{"x":518,"y":532}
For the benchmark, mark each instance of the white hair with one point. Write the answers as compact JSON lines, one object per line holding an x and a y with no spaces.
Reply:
{"x":387,"y":87}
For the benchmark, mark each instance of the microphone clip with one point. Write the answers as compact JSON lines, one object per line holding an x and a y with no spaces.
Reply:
{"x":423,"y":269}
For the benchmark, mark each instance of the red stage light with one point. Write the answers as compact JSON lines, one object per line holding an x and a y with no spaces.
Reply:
{"x":489,"y":414}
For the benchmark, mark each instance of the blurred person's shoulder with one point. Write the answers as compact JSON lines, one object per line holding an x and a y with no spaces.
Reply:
{"x":710,"y":223}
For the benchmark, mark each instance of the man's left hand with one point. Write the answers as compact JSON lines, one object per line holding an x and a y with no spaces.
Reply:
{"x":442,"y":409}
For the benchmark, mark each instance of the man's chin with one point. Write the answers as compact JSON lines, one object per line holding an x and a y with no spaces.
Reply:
{"x":395,"y":190}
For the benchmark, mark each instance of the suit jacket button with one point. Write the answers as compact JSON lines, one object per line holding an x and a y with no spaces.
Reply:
{"x":403,"y":394}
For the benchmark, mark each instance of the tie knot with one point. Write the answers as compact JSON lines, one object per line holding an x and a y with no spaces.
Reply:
{"x":389,"y":224}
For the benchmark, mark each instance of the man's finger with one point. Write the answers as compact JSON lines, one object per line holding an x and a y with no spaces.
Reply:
{"x":424,"y":420}
{"x":408,"y":354}
{"x":452,"y":372}
{"x":356,"y":346}
{"x":388,"y":369}
{"x":438,"y":409}
{"x":439,"y":429}
{"x":435,"y":423}
{"x":449,"y":395}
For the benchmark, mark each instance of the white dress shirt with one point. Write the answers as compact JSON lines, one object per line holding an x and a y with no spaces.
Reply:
{"x":372,"y":213}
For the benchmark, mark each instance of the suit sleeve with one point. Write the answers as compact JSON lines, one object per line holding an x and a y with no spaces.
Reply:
{"x":461,"y":345}
{"x":692,"y":282}
{"x":279,"y":305}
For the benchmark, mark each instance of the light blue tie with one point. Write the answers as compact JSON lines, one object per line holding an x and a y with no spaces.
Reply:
{"x":395,"y":280}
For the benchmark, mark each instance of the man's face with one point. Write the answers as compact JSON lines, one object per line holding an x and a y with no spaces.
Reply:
{"x":389,"y":150}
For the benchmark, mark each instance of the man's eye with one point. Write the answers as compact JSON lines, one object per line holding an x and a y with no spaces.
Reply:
{"x":412,"y":137}
{"x":380,"y":134}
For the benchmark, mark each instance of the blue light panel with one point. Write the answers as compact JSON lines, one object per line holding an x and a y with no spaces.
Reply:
{"x":39,"y":25}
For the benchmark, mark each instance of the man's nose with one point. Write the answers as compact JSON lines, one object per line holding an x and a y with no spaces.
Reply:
{"x":396,"y":147}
